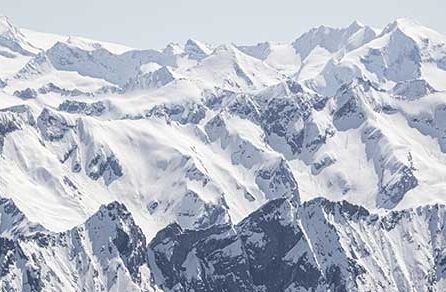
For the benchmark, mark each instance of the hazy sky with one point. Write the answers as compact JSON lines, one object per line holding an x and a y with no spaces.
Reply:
{"x":153,"y":24}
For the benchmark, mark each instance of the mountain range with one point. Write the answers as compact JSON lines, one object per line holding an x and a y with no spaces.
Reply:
{"x":317,"y":164}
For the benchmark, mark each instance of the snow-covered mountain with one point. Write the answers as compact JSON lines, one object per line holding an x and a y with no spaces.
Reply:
{"x":313,"y":165}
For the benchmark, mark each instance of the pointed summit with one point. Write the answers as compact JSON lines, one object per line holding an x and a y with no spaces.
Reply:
{"x":154,"y":79}
{"x":13,"y":39}
{"x":196,"y":49}
{"x":259,"y":51}
{"x":5,"y":25}
{"x":355,"y":26}
{"x":414,"y":30}
{"x":402,"y":24}
{"x":113,"y":223}
{"x":173,"y":49}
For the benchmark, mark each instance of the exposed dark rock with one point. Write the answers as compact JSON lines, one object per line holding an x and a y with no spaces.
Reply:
{"x":277,"y":181}
{"x":27,"y":93}
{"x":51,"y":87}
{"x":13,"y":119}
{"x":104,"y":165}
{"x":191,"y":254}
{"x":393,"y":192}
{"x":184,"y":114}
{"x":79,"y":107}
{"x":53,"y":126}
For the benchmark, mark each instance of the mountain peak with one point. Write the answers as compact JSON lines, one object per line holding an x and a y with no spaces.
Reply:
{"x":13,"y":221}
{"x":401,"y":24}
{"x":414,"y":30}
{"x":13,"y":39}
{"x":196,"y":50}
{"x":173,"y":49}
{"x":6,"y":27}
{"x":406,"y":21}
{"x":331,"y":39}
{"x":12,"y":34}
{"x":327,"y":29}
{"x":354,"y":27}
{"x":109,"y":215}
{"x":356,"y":24}
{"x":259,"y":51}
{"x":115,"y":209}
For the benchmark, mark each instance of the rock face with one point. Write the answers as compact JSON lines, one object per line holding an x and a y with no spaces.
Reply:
{"x":104,"y":165}
{"x":106,"y":253}
{"x":27,"y":93}
{"x":150,"y":80}
{"x":320,"y":246}
{"x":202,"y":260}
{"x":317,"y":246}
{"x":13,"y":119}
{"x":53,"y":126}
{"x":278,"y":181}
{"x":52,"y":88}
{"x":13,"y":222}
{"x":89,"y":109}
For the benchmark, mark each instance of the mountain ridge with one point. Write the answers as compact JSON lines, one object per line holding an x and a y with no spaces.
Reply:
{"x":300,"y":256}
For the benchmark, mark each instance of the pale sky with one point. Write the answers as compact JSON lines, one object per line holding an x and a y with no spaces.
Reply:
{"x":153,"y":24}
